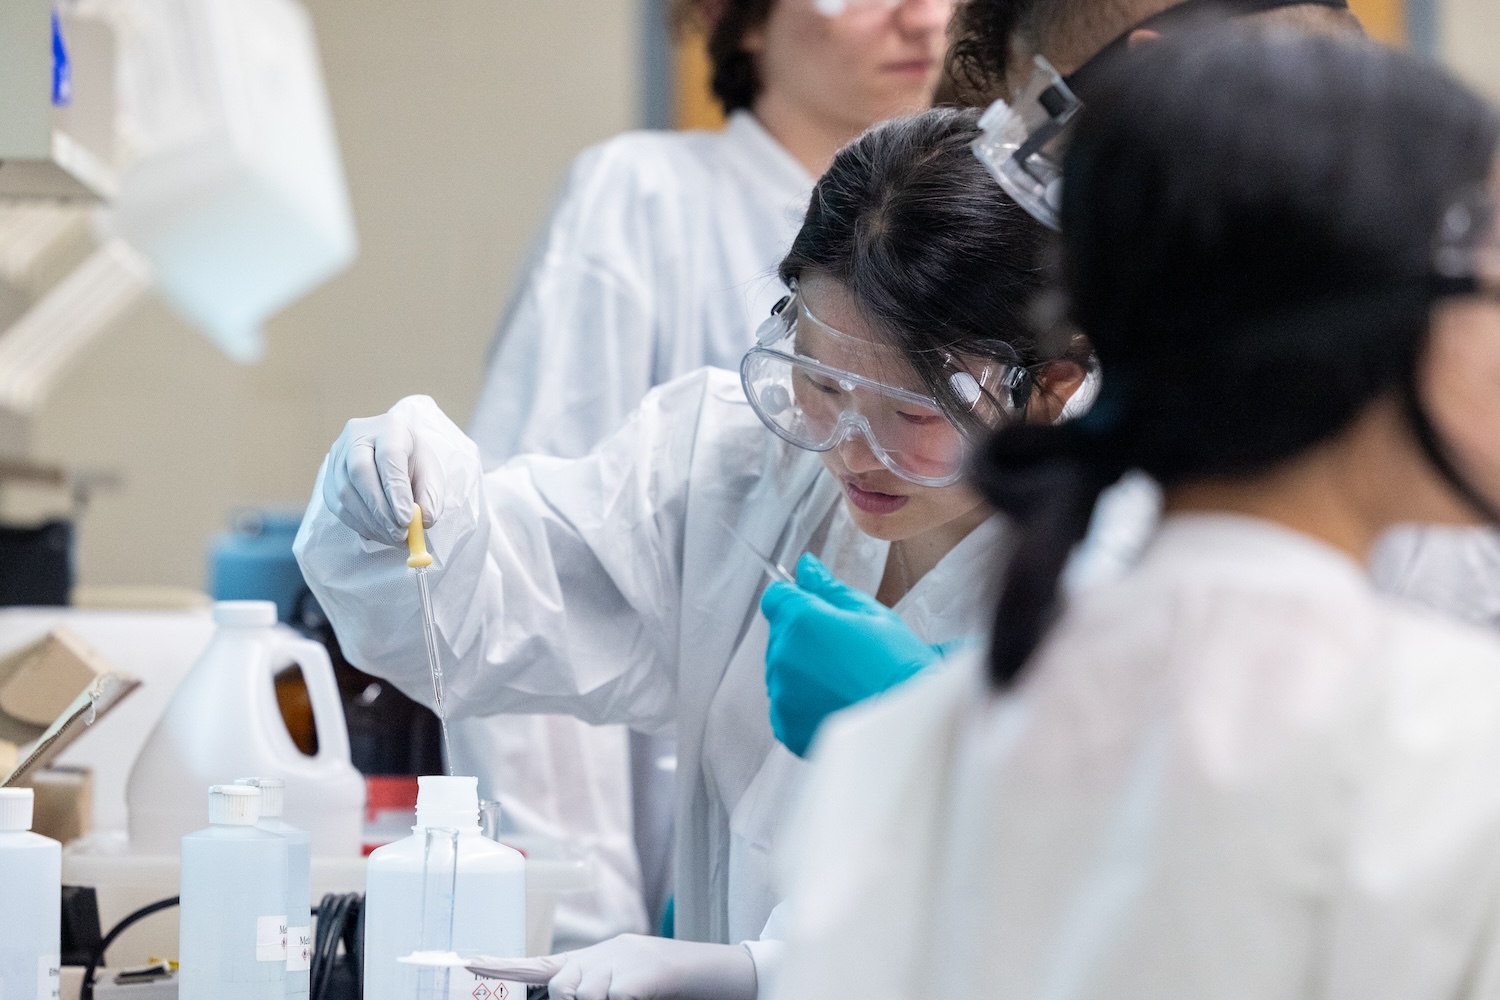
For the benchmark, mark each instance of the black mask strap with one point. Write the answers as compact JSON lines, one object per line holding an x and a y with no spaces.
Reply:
{"x":1432,"y":447}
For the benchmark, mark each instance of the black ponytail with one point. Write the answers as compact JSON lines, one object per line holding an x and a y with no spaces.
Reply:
{"x":1046,"y":481}
{"x":1248,"y":225}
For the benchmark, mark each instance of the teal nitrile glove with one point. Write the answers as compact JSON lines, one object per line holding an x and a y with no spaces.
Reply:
{"x":831,"y":646}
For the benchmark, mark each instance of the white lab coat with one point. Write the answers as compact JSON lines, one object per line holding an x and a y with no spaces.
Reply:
{"x":1238,"y":772}
{"x":659,"y":259}
{"x":1449,"y":569}
{"x":608,"y":587}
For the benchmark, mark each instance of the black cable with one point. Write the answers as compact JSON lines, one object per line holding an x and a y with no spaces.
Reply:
{"x":86,"y":990}
{"x":340,"y":919}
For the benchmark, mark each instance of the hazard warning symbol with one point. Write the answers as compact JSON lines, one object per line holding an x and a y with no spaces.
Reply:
{"x":484,"y":991}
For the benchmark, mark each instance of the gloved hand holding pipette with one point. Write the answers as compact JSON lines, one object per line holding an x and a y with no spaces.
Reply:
{"x":379,"y":469}
{"x":830,"y":647}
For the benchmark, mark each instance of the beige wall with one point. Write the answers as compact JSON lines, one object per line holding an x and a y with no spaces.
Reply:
{"x":1469,"y":31}
{"x":457,"y":119}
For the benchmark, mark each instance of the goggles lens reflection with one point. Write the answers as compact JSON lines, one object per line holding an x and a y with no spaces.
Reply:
{"x":835,"y":8}
{"x":1467,"y":250}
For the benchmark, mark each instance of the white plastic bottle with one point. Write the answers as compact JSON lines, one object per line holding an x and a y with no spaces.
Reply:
{"x":30,"y":903}
{"x":223,"y":721}
{"x":298,"y":883}
{"x":232,"y":941}
{"x":489,"y":907}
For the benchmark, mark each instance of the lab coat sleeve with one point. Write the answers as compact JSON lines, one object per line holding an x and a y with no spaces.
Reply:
{"x":555,"y":582}
{"x":576,"y":351}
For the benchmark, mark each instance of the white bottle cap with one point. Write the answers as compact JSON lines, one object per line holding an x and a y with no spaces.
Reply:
{"x":15,"y":809}
{"x":233,"y":805}
{"x":448,"y":802}
{"x":245,"y":614}
{"x":272,"y":794}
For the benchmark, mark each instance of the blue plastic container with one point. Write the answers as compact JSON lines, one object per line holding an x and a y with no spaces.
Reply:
{"x":254,"y":561}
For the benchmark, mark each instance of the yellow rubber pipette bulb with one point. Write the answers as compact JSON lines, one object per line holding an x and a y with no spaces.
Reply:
{"x":416,"y":541}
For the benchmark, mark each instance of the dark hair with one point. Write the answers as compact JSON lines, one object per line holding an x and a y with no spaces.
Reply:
{"x":736,"y":78}
{"x":931,"y":249}
{"x":1248,"y":222}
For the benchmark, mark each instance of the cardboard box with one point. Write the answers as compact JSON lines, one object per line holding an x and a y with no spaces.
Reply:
{"x":51,"y":691}
{"x":64,"y":805}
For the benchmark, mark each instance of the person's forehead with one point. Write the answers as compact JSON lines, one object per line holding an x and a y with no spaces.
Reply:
{"x":832,"y":304}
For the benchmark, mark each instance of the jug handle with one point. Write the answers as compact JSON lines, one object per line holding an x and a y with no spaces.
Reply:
{"x":327,"y":706}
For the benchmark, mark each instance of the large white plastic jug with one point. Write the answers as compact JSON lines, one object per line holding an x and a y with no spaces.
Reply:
{"x":223,"y":722}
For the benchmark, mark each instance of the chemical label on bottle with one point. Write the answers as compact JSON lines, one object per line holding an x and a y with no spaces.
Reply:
{"x":464,"y":985}
{"x":270,"y":939}
{"x":48,"y":978}
{"x":298,"y":949}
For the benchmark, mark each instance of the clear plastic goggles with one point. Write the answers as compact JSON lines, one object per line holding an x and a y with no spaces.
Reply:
{"x":1466,"y":257}
{"x":1023,"y":143}
{"x":816,"y":388}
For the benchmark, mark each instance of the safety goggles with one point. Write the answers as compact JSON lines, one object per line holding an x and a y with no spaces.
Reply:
{"x":1023,"y":141}
{"x":1466,"y":258}
{"x":817,"y":387}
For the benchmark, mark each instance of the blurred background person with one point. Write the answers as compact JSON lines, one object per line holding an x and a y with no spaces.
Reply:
{"x":659,"y":259}
{"x":1240,"y":769}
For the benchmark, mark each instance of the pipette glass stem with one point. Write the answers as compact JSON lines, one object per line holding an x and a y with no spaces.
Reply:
{"x":429,"y":634}
{"x":774,"y":569}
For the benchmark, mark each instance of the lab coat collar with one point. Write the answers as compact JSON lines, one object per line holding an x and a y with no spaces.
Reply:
{"x":759,"y":154}
{"x":1253,"y":551}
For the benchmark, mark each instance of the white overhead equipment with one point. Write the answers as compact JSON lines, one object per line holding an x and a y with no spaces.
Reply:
{"x":57,"y":119}
{"x":201,"y":131}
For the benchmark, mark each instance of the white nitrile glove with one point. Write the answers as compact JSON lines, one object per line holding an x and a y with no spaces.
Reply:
{"x":634,"y":967}
{"x":379,"y":467}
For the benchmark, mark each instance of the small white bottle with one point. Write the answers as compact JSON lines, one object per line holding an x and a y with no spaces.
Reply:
{"x":30,"y":903}
{"x":298,"y":882}
{"x":489,"y":906}
{"x":232,"y":938}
